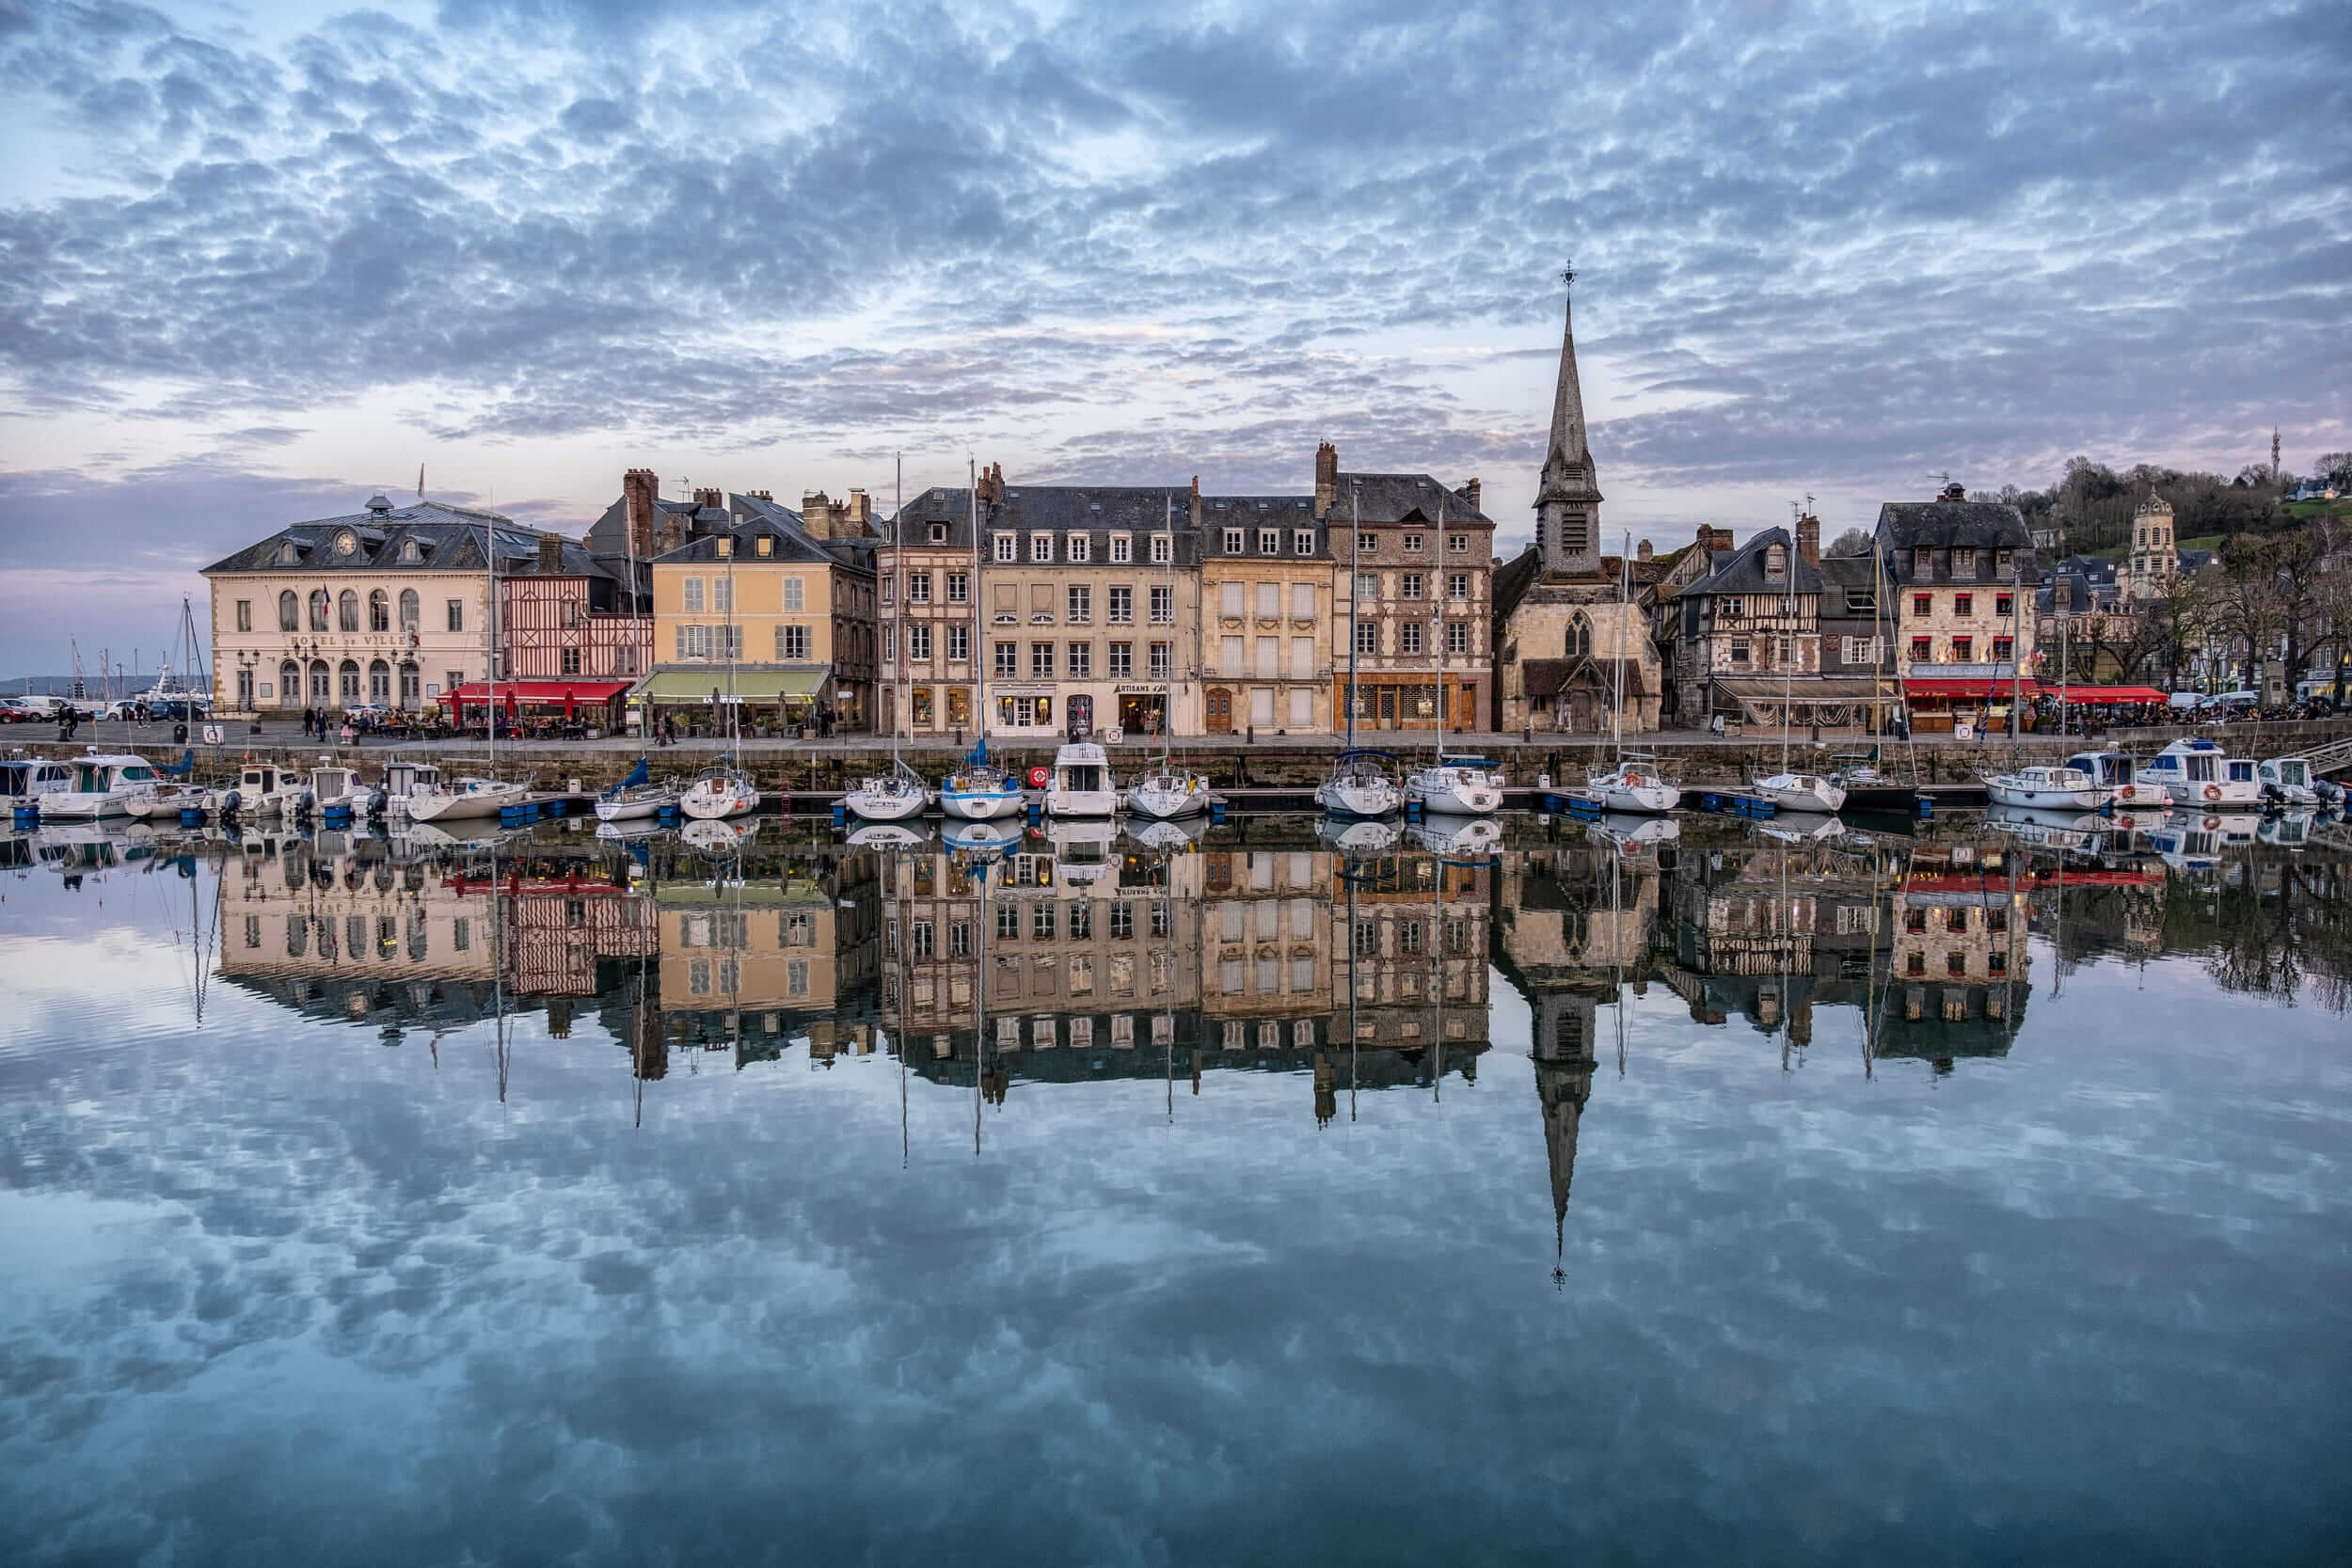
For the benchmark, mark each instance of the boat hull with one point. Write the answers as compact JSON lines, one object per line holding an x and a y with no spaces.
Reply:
{"x":1081,"y":802}
{"x":637,"y":808}
{"x":74,"y":805}
{"x":886,"y":806}
{"x":2031,"y":799}
{"x":1645,"y":799}
{"x":1166,"y":805}
{"x":1453,"y":797}
{"x":982,"y":805}
{"x":1362,"y":800}
{"x":462,"y":805}
{"x":1802,"y":792}
{"x":706,"y":805}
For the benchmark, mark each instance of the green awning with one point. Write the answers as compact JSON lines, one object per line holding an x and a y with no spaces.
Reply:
{"x":764,"y":687}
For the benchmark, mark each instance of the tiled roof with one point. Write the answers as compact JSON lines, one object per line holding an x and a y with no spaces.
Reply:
{"x":1907,"y":525}
{"x":1401,"y":499}
{"x":1742,"y":571}
{"x":447,"y":539}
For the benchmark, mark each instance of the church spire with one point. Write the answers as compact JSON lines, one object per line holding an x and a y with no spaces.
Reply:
{"x":1568,"y":502}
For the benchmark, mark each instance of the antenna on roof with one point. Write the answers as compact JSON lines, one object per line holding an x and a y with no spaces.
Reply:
{"x":420,"y":481}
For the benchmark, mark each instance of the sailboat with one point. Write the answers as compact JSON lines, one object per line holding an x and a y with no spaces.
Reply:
{"x":1452,"y":786}
{"x":1168,"y":792}
{"x":894,"y":795}
{"x":979,"y":791}
{"x":723,"y":789}
{"x":1788,"y":790}
{"x":432,"y":802}
{"x":1636,"y":783}
{"x":1359,"y":784}
{"x":636,"y":798}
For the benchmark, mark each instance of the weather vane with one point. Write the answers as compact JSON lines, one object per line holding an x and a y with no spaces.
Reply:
{"x":1567,"y":274}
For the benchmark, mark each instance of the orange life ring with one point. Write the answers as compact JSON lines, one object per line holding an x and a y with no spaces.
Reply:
{"x":1040,"y":778}
{"x":2211,"y":823}
{"x":2213,"y":792}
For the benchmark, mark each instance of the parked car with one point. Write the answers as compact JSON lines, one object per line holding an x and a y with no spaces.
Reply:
{"x":42,"y":708}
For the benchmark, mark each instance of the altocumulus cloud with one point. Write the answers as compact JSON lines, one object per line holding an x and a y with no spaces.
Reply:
{"x":1825,"y":247}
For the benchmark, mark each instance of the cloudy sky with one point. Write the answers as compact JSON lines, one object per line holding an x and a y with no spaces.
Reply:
{"x":257,"y":259}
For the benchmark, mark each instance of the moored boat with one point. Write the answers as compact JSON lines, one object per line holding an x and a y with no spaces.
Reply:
{"x":1081,"y":784}
{"x":462,"y":799}
{"x":1457,"y":786}
{"x":636,"y":798}
{"x":105,"y":785}
{"x":2197,"y":773}
{"x":1634,"y":785}
{"x":2289,"y":779}
{"x":1166,"y":792}
{"x":892,"y":797}
{"x":1811,"y":792}
{"x":719,"y":793}
{"x":2047,"y":789}
{"x":2115,"y":772}
{"x":1359,"y":786}
{"x":25,"y":780}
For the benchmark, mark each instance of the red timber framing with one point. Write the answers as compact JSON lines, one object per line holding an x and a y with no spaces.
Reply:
{"x":549,"y":632}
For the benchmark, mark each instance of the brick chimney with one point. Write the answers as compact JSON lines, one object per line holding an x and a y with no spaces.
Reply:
{"x":639,"y":490}
{"x":712,"y":496}
{"x":551,"y":555}
{"x":860,"y":515}
{"x":992,"y":484}
{"x":1469,"y":493}
{"x":1192,"y":508}
{"x":1326,"y":479}
{"x":1809,"y":539}
{"x":817,"y":514}
{"x":1643,"y":552}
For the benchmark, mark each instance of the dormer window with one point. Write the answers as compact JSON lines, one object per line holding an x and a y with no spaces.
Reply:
{"x":1923,"y":560}
{"x":1008,"y":548}
{"x":939,"y":534}
{"x":1081,"y":546}
{"x":767,"y":543}
{"x":409,"y":553}
{"x":1232,"y":541}
{"x":1041,"y":548}
{"x":1776,"y":561}
{"x":725,"y":547}
{"x":1963,"y":561}
{"x":1269,"y":540}
{"x":288,"y":554}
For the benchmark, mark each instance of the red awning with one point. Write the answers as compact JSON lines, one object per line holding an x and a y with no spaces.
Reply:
{"x":2111,"y":694}
{"x":540,"y":693}
{"x":1983,"y":689}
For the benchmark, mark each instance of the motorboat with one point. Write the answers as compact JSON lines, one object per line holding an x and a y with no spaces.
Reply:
{"x":1359,"y":786}
{"x":2047,"y":789}
{"x":1635,"y":785}
{"x":1366,"y":835}
{"x":889,"y":835}
{"x":1444,"y":834}
{"x":336,"y":789}
{"x":1080,"y":785}
{"x":1166,"y":792}
{"x":265,"y":789}
{"x":1168,"y":833}
{"x":23,"y":781}
{"x":636,"y":798}
{"x":979,"y":791}
{"x":168,"y":801}
{"x":2288,"y":829}
{"x":2289,"y":779}
{"x":2116,"y":773}
{"x":405,"y":779}
{"x":1085,"y":850}
{"x":2197,"y":773}
{"x":892,"y":797}
{"x":719,"y":793}
{"x":105,"y":785}
{"x":1810,"y":792}
{"x":463,"y":797}
{"x":1457,"y":786}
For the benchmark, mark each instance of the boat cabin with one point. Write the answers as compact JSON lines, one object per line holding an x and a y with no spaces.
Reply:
{"x":101,"y":774}
{"x":259,"y":779}
{"x":404,"y":779}
{"x":24,"y":779}
{"x":2107,"y":769}
{"x":1082,"y":768}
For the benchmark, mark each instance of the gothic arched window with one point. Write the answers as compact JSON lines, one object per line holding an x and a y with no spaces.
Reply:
{"x":1580,"y":636}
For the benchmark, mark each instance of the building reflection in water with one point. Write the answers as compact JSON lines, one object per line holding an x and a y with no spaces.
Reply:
{"x":1078,"y":954}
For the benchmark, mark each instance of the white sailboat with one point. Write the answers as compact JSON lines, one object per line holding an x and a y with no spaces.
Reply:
{"x":1787,"y":790}
{"x":1636,"y":783}
{"x":723,"y":789}
{"x":636,"y":798}
{"x":431,"y":799}
{"x":899,"y":794}
{"x":979,"y":791}
{"x":1168,"y":792}
{"x":1359,"y":784}
{"x":1455,"y":786}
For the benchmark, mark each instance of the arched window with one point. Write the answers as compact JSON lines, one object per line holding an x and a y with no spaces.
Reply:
{"x":289,"y":611}
{"x":321,"y":603}
{"x":408,"y":612}
{"x":380,"y":684}
{"x":1580,"y":636}
{"x":379,"y":611}
{"x":289,"y":685}
{"x":322,"y":683}
{"x":348,"y":682}
{"x":347,"y":610}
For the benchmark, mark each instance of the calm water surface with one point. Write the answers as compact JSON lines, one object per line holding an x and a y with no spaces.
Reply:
{"x":1724,"y":1200}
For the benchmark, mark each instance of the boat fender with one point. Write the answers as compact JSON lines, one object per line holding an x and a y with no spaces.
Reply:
{"x":2213,"y":792}
{"x":1040,"y":778}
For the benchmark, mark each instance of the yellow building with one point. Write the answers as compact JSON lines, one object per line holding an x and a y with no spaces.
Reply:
{"x":755,"y":611}
{"x":1265,"y":597}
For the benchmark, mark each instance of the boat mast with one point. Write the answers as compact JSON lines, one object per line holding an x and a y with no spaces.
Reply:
{"x":979,"y":665}
{"x":1355,"y":539}
{"x":1436,"y":629}
{"x":1168,"y":579}
{"x":1788,"y":614}
{"x":1625,"y":608}
{"x":898,"y":594}
{"x":490,"y":681}
{"x":2016,"y":665}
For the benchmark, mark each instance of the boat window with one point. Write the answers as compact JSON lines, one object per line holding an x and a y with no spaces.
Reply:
{"x":138,"y":773}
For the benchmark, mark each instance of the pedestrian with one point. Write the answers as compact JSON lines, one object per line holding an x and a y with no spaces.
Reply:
{"x":1716,"y":725}
{"x":346,"y":733}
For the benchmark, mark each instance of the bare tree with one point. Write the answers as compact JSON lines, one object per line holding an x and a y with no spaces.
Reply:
{"x":1853,"y":542}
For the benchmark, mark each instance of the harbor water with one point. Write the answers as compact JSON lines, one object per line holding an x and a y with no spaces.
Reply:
{"x":1974,"y":1192}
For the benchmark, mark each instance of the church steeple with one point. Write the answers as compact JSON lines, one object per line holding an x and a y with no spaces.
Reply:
{"x":1567,"y":504}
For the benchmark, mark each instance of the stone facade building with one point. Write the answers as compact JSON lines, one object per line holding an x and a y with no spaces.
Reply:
{"x":2154,"y":561}
{"x":1266,"y":594}
{"x":1959,"y":571}
{"x":1420,"y":617}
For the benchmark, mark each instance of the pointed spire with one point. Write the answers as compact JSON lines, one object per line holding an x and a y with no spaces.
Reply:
{"x":1568,"y":453}
{"x":1567,"y":498}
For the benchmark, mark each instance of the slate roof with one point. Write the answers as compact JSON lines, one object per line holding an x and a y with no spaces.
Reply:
{"x":1376,"y":499}
{"x":1101,"y":509}
{"x":1907,"y":525}
{"x":1742,"y":570}
{"x":791,"y":547}
{"x":1252,"y":512}
{"x":448,"y":539}
{"x":1513,"y":579}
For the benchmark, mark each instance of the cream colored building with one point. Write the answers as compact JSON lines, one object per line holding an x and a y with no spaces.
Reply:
{"x":2154,"y":561}
{"x":1266,"y":594}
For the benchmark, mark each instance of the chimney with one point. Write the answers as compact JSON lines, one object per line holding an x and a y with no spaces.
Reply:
{"x":1955,"y":491}
{"x":1193,"y":507}
{"x":639,"y":488}
{"x":816,"y":515}
{"x":1706,"y":543}
{"x":992,"y":484}
{"x":1642,"y":552}
{"x":1809,"y":539}
{"x":710,"y":498}
{"x":551,"y":555}
{"x":861,"y":514}
{"x":1326,"y":479}
{"x":1470,"y":494}
{"x":761,"y":495}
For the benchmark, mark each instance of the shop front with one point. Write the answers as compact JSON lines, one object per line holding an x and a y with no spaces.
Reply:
{"x":556,"y":707}
{"x":1826,"y":704}
{"x":762,"y":702}
{"x":1142,"y":708}
{"x":1980,"y":706}
{"x":1385,"y":704}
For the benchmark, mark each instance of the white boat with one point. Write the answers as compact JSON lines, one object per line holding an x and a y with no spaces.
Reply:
{"x":338,"y":789}
{"x":1187,"y":833}
{"x":1634,"y":785}
{"x":2047,"y":789}
{"x":105,"y":785}
{"x":980,"y":836}
{"x":2291,"y":780}
{"x":1081,"y":784}
{"x":1444,"y":834}
{"x":1364,"y":835}
{"x":1630,"y":834}
{"x":1811,"y":792}
{"x":468,"y":834}
{"x":1457,"y":786}
{"x":25,"y":780}
{"x":1802,"y":827}
{"x":980,"y":791}
{"x":627,"y":828}
{"x":636,"y":802}
{"x":2116,"y":773}
{"x":2196,"y":773}
{"x":1084,"y":849}
{"x":2052,"y":827}
{"x":719,"y":834}
{"x":1167,"y":793}
{"x":166,"y":801}
{"x":265,"y":789}
{"x":462,"y":799}
{"x":1359,"y":786}
{"x":890,"y":835}
{"x":892,"y":797}
{"x":2288,"y":829}
{"x":719,"y":793}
